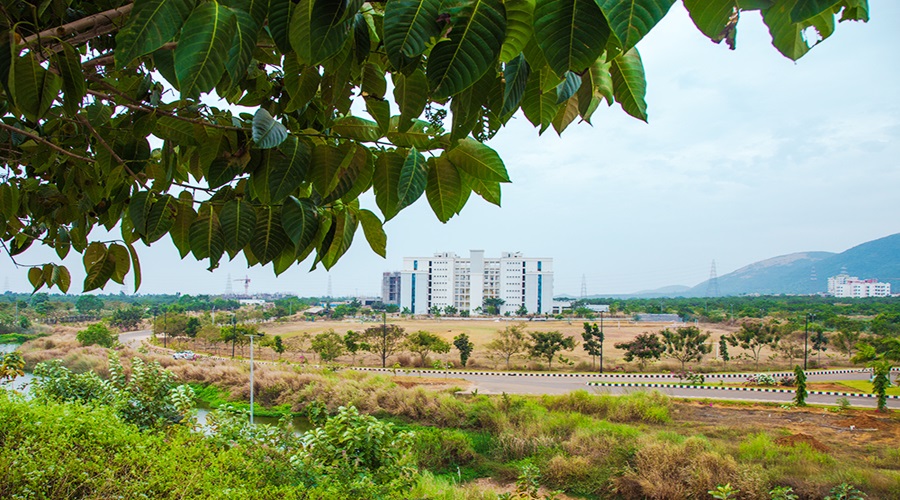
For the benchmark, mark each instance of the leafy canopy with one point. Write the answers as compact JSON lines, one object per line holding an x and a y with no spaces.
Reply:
{"x":103,"y":122}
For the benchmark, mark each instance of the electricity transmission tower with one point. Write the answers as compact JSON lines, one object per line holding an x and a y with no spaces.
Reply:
{"x":712,"y":286}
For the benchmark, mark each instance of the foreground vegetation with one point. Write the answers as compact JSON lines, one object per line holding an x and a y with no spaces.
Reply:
{"x":643,"y":445}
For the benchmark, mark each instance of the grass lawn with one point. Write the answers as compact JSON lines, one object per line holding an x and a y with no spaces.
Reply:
{"x":866,"y":386}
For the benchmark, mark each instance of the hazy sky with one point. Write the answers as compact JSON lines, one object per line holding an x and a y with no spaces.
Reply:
{"x":747,"y":156}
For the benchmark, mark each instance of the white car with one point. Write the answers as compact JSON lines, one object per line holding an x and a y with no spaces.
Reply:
{"x":188,"y":355}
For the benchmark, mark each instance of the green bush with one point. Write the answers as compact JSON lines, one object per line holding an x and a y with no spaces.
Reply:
{"x":98,"y":334}
{"x":442,"y":450}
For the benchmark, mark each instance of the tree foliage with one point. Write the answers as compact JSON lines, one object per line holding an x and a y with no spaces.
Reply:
{"x":424,"y":343}
{"x":328,"y":345}
{"x":89,"y":304}
{"x":754,"y":336}
{"x":127,"y":318}
{"x":592,"y":342}
{"x":103,"y":122}
{"x":465,"y":348}
{"x":546,"y":344}
{"x":646,"y":347}
{"x":384,"y":340}
{"x":98,"y":334}
{"x":686,"y":343}
{"x":509,"y":342}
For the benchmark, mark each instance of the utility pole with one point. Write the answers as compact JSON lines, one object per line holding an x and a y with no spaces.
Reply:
{"x":602,"y":338}
{"x":806,"y":338}
{"x":165,"y":328}
{"x":233,"y":333}
{"x":251,"y":335}
{"x":383,"y":336}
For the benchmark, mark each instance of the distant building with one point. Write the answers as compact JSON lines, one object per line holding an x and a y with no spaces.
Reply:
{"x":845,"y":286}
{"x":390,"y":288}
{"x":465,"y":283}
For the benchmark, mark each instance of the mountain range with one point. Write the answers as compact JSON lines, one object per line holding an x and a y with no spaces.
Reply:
{"x":800,"y":273}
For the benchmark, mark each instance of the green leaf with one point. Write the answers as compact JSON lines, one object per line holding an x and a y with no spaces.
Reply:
{"x":152,"y":23}
{"x":629,"y":85}
{"x":565,"y":116}
{"x":568,"y":87}
{"x":488,"y":190}
{"x":62,"y":278}
{"x":99,"y":274}
{"x":267,"y":132}
{"x":444,"y":188}
{"x":300,"y":221}
{"x":374,"y":231}
{"x":207,"y":240}
{"x":243,"y":42}
{"x":470,"y":51}
{"x":139,"y":210}
{"x":519,"y":19}
{"x":539,"y":107}
{"x":301,"y":83}
{"x":516,"y":74}
{"x":327,"y":163}
{"x":178,"y":131}
{"x":238,"y":221}
{"x":411,"y":95}
{"x":136,"y":265}
{"x":356,"y":178}
{"x":373,"y":80}
{"x":74,"y":87}
{"x":380,"y":109}
{"x":34,"y":88}
{"x":420,"y":135}
{"x":479,"y":161}
{"x":161,"y":217}
{"x":339,"y":238}
{"x":203,"y":48}
{"x":280,"y":14}
{"x":631,"y":20}
{"x":386,"y":183}
{"x":312,"y":34}
{"x":122,"y":262}
{"x":359,"y":129}
{"x":409,"y":25}
{"x":281,"y":171}
{"x":789,"y":37}
{"x":807,"y":9}
{"x":269,"y":238}
{"x":412,"y":180}
{"x":571,"y":33}
{"x":712,"y":17}
{"x":36,"y":278}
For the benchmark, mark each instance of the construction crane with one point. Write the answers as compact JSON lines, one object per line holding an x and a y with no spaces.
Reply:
{"x":246,"y":280}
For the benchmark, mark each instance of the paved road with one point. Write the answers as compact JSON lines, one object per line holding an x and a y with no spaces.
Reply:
{"x":133,"y":339}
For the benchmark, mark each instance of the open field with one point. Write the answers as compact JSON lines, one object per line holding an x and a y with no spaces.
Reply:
{"x":482,"y":331}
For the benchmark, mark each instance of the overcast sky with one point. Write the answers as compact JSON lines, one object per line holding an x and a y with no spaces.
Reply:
{"x":747,"y":156}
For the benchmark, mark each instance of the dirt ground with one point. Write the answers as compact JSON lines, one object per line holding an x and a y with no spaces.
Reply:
{"x":855,"y":432}
{"x":482,"y":331}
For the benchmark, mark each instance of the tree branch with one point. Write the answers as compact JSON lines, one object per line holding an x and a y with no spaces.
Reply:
{"x":140,"y":107}
{"x":46,"y":143}
{"x":84,"y":121}
{"x":90,"y":22}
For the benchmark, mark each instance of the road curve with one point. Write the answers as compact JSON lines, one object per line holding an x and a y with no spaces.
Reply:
{"x":134,"y":339}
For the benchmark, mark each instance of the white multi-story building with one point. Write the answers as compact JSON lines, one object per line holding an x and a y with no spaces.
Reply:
{"x":449,"y":280}
{"x":844,"y":285}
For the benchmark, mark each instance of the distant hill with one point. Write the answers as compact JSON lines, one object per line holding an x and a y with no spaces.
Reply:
{"x":792,"y":274}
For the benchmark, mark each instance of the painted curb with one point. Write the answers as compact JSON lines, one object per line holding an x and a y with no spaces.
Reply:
{"x":721,"y":388}
{"x":610,"y":375}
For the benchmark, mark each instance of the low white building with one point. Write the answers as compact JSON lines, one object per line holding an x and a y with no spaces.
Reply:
{"x":845,"y":286}
{"x":465,"y":283}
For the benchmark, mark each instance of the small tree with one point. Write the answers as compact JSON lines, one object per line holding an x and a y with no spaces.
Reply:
{"x":800,"y":395}
{"x":98,"y":334}
{"x":723,"y":350}
{"x":450,"y":310}
{"x":424,"y":343}
{"x":819,"y":343}
{"x":522,"y":310}
{"x":547,"y":344}
{"x":12,"y":365}
{"x":509,"y":342}
{"x":192,"y":327}
{"x":881,"y":381}
{"x":686,"y":343}
{"x":384,"y":340}
{"x":754,"y":336}
{"x":278,"y":345}
{"x":465,"y":348}
{"x":328,"y":345}
{"x":645,"y":348}
{"x":353,"y":342}
{"x":491,"y":305}
{"x":593,"y":343}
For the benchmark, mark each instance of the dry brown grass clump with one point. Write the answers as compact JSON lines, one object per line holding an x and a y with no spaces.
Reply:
{"x":793,"y":439}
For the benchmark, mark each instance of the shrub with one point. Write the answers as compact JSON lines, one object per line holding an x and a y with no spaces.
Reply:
{"x":96,"y":334}
{"x":441,"y":450}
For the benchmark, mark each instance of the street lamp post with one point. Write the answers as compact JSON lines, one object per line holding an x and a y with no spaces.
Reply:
{"x":601,"y":342}
{"x":806,"y":338}
{"x":165,"y":328}
{"x":252,"y":335}
{"x":233,"y":334}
